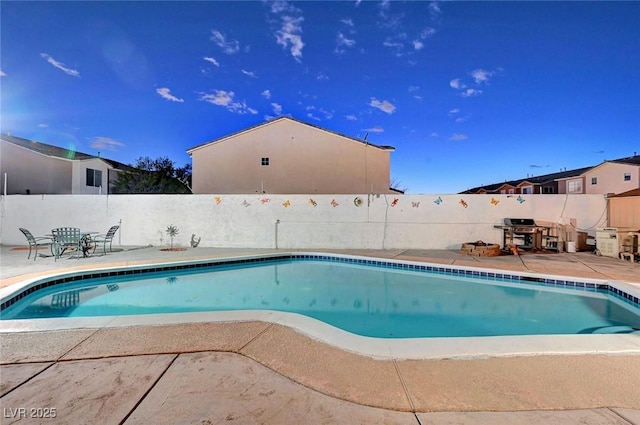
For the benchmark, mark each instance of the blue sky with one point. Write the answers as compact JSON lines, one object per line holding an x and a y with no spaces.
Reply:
{"x":469,"y":93}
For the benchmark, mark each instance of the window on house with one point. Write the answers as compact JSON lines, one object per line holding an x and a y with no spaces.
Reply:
{"x":527,"y":189}
{"x":594,"y":180}
{"x":574,"y":186}
{"x":547,"y":189}
{"x":512,"y":191}
{"x":627,"y":177}
{"x":503,"y":192}
{"x":264,"y":161}
{"x":94,"y":177}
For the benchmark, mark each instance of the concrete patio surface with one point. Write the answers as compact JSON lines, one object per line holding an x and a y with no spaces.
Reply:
{"x":258,"y":372}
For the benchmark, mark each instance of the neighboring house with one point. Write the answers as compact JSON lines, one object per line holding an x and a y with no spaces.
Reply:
{"x":610,"y":177}
{"x":545,"y":184}
{"x":31,"y":167}
{"x":617,"y":176}
{"x":285,"y":155}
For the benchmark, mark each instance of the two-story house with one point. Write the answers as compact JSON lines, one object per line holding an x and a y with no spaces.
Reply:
{"x":30,"y":167}
{"x":609,"y":177}
{"x":544,"y":184}
{"x":285,"y":155}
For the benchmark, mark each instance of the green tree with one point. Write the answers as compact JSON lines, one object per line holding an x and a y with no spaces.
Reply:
{"x":158,"y":175}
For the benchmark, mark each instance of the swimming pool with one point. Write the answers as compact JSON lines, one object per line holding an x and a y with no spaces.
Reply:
{"x":375,"y":298}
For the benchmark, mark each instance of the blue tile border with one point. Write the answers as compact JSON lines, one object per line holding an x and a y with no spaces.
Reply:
{"x":378,"y":263}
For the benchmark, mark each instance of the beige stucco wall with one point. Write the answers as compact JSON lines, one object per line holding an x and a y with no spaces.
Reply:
{"x":28,"y":170}
{"x":610,"y":178}
{"x":302,"y":159}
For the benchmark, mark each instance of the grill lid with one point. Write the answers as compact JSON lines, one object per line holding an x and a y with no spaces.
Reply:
{"x":519,"y":222}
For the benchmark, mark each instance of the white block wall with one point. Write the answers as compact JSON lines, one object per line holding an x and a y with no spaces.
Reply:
{"x":249,"y":221}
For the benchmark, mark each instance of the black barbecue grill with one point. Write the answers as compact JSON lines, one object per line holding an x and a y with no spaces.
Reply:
{"x":524,"y":229}
{"x":522,"y":226}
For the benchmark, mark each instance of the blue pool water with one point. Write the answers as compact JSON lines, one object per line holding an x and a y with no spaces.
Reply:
{"x":362,"y":299}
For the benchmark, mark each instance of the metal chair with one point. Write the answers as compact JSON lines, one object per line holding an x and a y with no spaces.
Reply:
{"x":104,"y":239}
{"x":36,"y":242}
{"x":65,"y":238}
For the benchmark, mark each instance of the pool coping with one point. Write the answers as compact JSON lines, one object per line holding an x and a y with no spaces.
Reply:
{"x":378,"y":348}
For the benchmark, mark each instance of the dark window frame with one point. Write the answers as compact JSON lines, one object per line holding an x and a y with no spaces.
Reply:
{"x":93,"y":177}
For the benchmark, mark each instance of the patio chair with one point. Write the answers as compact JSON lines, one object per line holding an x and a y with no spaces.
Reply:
{"x":65,"y":238}
{"x":104,"y":239}
{"x":36,"y":242}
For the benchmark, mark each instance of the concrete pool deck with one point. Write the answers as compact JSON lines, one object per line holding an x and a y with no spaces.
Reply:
{"x":264,"y":372}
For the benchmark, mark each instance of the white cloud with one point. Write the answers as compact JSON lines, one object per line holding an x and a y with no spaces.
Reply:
{"x":266,"y":94}
{"x":351,"y":117}
{"x":376,"y":129}
{"x":393,"y":44}
{"x":384,"y":106}
{"x":220,"y":97}
{"x":434,"y":134}
{"x":106,"y":143}
{"x":288,"y":36}
{"x":481,"y":76}
{"x":458,"y":136}
{"x":248,"y":73}
{"x":434,"y":10}
{"x":387,"y":18}
{"x":347,"y":21}
{"x":212,"y":60}
{"x":2,"y":74}
{"x":418,"y":42}
{"x":427,"y":32}
{"x":281,"y":6}
{"x":462,"y":119}
{"x":454,"y":111}
{"x":322,"y":77}
{"x":471,"y":93}
{"x":327,"y":114}
{"x":225,"y":98}
{"x":457,"y":84}
{"x":277,"y":108}
{"x":342,"y":41}
{"x":43,"y":125}
{"x":228,"y":46}
{"x":413,"y":88}
{"x":166,"y":94}
{"x":60,"y":66}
